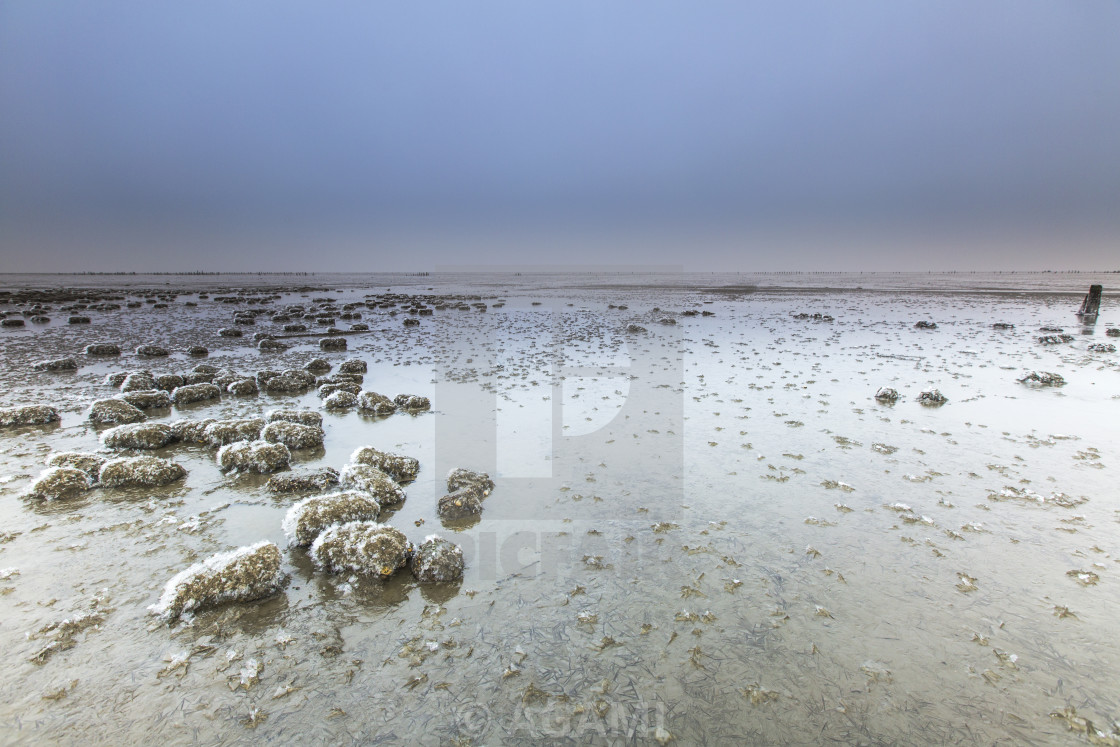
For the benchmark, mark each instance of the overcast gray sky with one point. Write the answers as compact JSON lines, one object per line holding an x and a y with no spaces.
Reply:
{"x":402,"y":135}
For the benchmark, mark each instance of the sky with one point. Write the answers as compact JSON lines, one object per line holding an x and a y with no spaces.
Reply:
{"x":738,"y":135}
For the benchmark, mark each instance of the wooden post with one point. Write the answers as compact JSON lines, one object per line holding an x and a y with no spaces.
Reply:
{"x":1092,"y":303}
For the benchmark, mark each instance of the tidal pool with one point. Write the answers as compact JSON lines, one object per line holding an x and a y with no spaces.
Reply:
{"x":707,"y":532}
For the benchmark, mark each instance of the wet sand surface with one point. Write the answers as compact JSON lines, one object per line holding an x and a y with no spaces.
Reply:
{"x":709,"y":531}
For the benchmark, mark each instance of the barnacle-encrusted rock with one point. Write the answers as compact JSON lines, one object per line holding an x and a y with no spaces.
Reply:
{"x":195,"y":393}
{"x":412,"y":402}
{"x":373,"y":481}
{"x":317,"y":365}
{"x":30,"y":415}
{"x":197,"y":351}
{"x":240,"y":575}
{"x":461,"y":478}
{"x":461,"y":504}
{"x":436,"y":559}
{"x":1054,"y":339}
{"x":340,"y":401}
{"x":932,"y":398}
{"x":114,"y":411}
{"x":137,"y":436}
{"x":152,"y":351}
{"x":59,"y":482}
{"x":191,"y":431}
{"x":293,"y":435}
{"x":308,"y":518}
{"x":303,"y":417}
{"x":377,"y":404}
{"x":1003,"y":325}
{"x":635,"y":329}
{"x":243,"y":387}
{"x":925,"y":325}
{"x":230,"y":332}
{"x":58,"y":364}
{"x":149,"y":399}
{"x":350,"y":387}
{"x":222,"y":432}
{"x":141,"y":471}
{"x":11,"y":322}
{"x":168,"y":382}
{"x":291,"y":380}
{"x":1112,"y":332}
{"x":253,"y":456}
{"x":1101,"y":347}
{"x":317,"y":480}
{"x":332,"y":343}
{"x":363,"y":547}
{"x":353,"y":366}
{"x":400,"y":468}
{"x":1042,"y":378}
{"x":886,"y":394}
{"x":136,"y":381}
{"x":272,"y":345}
{"x":88,"y":463}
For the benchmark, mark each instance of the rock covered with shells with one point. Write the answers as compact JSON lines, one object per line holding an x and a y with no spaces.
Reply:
{"x":241,"y":575}
{"x":400,"y":468}
{"x":137,"y":436}
{"x":188,"y":393}
{"x":308,"y":518}
{"x":375,"y":404}
{"x":371,"y":480}
{"x":89,"y":463}
{"x":293,"y":435}
{"x":261,"y":457}
{"x":363,"y":547}
{"x":59,"y":482}
{"x":113,"y":410}
{"x":30,"y":415}
{"x":141,"y":471}
{"x":316,"y":480}
{"x":437,"y":560}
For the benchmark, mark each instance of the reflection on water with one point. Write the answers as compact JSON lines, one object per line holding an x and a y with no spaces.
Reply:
{"x":710,"y":531}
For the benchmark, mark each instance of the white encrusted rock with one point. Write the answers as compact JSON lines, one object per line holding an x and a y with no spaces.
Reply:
{"x":240,"y":575}
{"x":222,"y":432}
{"x":461,"y":477}
{"x":340,"y":401}
{"x":373,"y":481}
{"x":88,"y":463}
{"x":105,"y":411}
{"x":191,"y":431}
{"x":30,"y":415}
{"x":436,"y":559}
{"x":303,"y":417}
{"x":317,"y":480}
{"x":293,"y":435}
{"x":188,"y":393}
{"x":412,"y":402}
{"x":142,"y":471}
{"x":400,"y":468}
{"x":59,"y":482}
{"x":253,"y":456}
{"x":308,"y":518}
{"x":932,"y":398}
{"x":363,"y":547}
{"x":376,"y":404}
{"x":137,"y":436}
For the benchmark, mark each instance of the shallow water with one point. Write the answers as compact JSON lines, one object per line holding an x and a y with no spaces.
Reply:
{"x":711,"y":528}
